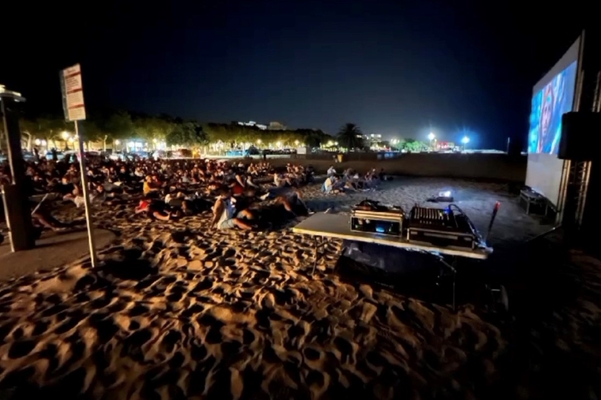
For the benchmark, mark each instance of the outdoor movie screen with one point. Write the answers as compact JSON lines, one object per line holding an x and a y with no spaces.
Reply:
{"x":552,"y":96}
{"x":548,"y":105}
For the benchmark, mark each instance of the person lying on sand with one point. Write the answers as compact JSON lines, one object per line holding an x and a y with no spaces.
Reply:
{"x":283,"y":210}
{"x":293,"y":203}
{"x":41,"y":218}
{"x":100,"y":195}
{"x":153,"y":209}
{"x":195,"y":206}
{"x":225,"y":215}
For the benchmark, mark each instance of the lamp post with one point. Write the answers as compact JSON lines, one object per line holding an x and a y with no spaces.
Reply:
{"x":465,"y":140}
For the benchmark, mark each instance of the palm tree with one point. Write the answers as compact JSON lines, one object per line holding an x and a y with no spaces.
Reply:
{"x":350,"y":136}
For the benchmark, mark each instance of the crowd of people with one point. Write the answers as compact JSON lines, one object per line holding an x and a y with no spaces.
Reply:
{"x":244,"y":196}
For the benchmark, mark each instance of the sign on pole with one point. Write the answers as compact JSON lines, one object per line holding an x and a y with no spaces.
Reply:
{"x":75,"y":111}
{"x":72,"y":88}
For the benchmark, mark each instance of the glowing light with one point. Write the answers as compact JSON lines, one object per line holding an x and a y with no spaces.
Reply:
{"x":296,"y":142}
{"x":37,"y":142}
{"x":258,"y":141}
{"x":65,"y":135}
{"x":465,"y":140}
{"x":117,"y":142}
{"x":431,"y":136}
{"x":44,"y":143}
{"x":279,"y":144}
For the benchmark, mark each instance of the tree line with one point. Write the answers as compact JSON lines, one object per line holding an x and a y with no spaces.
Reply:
{"x":109,"y":127}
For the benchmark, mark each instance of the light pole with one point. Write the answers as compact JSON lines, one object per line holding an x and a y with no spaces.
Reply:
{"x":465,"y":140}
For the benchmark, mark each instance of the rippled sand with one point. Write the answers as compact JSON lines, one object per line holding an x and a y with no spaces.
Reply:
{"x":178,"y":311}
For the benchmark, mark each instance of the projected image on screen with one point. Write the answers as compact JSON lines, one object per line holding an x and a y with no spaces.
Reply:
{"x":548,"y":105}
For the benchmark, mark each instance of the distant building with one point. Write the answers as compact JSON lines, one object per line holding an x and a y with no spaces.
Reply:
{"x":373,"y":138}
{"x":276,"y":126}
{"x":253,"y":123}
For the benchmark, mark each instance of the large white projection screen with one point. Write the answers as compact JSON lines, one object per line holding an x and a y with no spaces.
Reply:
{"x":551,"y":98}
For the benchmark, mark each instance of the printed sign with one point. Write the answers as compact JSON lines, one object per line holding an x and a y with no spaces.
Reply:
{"x":72,"y":88}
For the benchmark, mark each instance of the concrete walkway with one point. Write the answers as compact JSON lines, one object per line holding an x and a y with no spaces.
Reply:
{"x":51,"y":251}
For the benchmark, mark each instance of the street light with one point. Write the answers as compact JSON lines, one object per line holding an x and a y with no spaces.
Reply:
{"x":117,"y":142}
{"x":296,"y":142}
{"x":258,"y":141}
{"x":65,"y":135}
{"x":431,"y":136}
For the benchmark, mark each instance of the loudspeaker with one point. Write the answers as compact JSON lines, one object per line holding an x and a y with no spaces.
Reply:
{"x":579,"y":135}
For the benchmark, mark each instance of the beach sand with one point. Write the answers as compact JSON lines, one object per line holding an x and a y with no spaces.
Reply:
{"x":178,"y":311}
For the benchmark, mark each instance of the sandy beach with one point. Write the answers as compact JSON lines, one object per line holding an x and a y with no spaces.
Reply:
{"x":182,"y":312}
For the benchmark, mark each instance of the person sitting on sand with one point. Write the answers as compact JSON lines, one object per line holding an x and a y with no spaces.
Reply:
{"x":279,"y":180}
{"x":332,"y":185}
{"x":225,"y":215}
{"x":150,"y":189}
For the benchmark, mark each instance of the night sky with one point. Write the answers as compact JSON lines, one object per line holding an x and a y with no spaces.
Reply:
{"x":394,"y":68}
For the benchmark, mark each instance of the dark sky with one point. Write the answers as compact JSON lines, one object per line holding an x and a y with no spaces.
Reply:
{"x":392,"y":67}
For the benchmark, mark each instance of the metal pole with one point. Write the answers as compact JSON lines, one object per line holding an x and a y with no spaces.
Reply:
{"x":86,"y":197}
